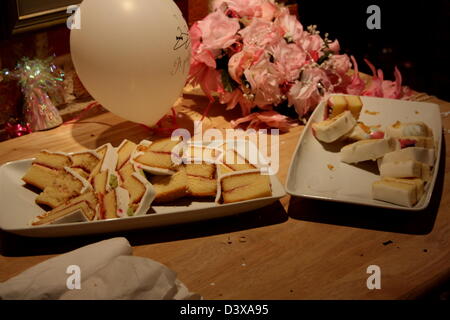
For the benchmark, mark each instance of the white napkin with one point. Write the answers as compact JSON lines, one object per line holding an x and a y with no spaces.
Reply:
{"x":107,"y":271}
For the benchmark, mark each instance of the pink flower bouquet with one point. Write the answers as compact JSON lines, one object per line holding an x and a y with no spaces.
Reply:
{"x":255,"y":54}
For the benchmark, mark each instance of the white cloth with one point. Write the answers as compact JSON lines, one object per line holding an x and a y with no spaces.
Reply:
{"x":108,"y":271}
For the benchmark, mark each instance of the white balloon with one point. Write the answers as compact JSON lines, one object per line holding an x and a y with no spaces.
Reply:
{"x":133,"y":56}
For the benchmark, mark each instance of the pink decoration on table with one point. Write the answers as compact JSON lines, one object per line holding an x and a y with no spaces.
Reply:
{"x":255,"y":54}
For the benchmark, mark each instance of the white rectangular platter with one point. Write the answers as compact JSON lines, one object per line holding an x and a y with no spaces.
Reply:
{"x":18,"y":208}
{"x":316,"y":171}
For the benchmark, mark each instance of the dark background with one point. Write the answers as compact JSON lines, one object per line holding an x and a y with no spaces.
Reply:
{"x":414,"y":35}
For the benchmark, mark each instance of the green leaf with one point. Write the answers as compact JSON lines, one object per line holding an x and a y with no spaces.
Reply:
{"x":228,"y":83}
{"x":324,"y":58}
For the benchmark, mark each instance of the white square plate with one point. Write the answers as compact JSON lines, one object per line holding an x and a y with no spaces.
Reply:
{"x":316,"y":171}
{"x":18,"y":208}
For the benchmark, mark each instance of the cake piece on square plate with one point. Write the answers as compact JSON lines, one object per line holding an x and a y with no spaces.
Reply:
{"x":424,"y":155}
{"x":333,"y":129}
{"x":402,"y":192}
{"x":338,"y":104}
{"x":418,"y":142}
{"x":413,"y":129}
{"x":365,"y":150}
{"x":405,"y":169}
{"x":364,"y":132}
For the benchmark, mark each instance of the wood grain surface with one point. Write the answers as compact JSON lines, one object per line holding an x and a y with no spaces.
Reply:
{"x":294,"y":249}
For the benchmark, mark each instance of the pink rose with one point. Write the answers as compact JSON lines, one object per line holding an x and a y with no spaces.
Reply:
{"x":232,"y":99}
{"x":265,"y":9}
{"x":218,"y":31}
{"x":265,"y":81}
{"x":195,"y":33}
{"x":334,"y":46}
{"x":340,"y":63}
{"x":304,"y":95}
{"x":203,"y":72}
{"x":290,"y":26}
{"x":289,"y":59}
{"x":311,"y":42}
{"x":260,"y":33}
{"x":243,"y":60}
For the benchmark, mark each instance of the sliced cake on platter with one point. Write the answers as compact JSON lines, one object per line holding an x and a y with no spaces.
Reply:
{"x":124,"y":152}
{"x":232,"y":161}
{"x":170,"y":187}
{"x":67,"y":185}
{"x":201,"y":171}
{"x":160,"y":157}
{"x":45,"y":168}
{"x":201,"y":179}
{"x":243,"y":185}
{"x":85,"y":162}
{"x":78,"y":209}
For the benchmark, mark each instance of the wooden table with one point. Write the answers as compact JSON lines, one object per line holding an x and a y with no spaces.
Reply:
{"x":295,"y":249}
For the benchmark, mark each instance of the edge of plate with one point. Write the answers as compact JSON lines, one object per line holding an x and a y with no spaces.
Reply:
{"x":279,"y":193}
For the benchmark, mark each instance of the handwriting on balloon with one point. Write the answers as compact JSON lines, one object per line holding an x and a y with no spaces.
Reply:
{"x":182,"y":40}
{"x":180,"y":65}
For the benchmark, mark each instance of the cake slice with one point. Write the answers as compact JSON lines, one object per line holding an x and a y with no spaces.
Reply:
{"x":124,"y":152}
{"x":129,"y":181}
{"x":159,"y":157}
{"x":414,"y":129}
{"x":364,"y":132}
{"x":233,"y":161}
{"x":115,"y":203}
{"x":367,"y":150}
{"x":79,"y":209}
{"x":332,"y":129}
{"x":423,"y":155}
{"x":55,"y":160}
{"x":339,"y":104}
{"x":244,"y":185}
{"x":418,"y":183}
{"x":336,"y":105}
{"x":40,"y":176}
{"x":354,"y":105}
{"x":200,"y":154}
{"x":108,"y":160}
{"x":45,"y":168}
{"x":401,"y":169}
{"x":201,"y":179}
{"x":402,"y":192}
{"x":419,"y":142}
{"x":169,"y":188}
{"x":64,"y":187}
{"x":85,"y":161}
